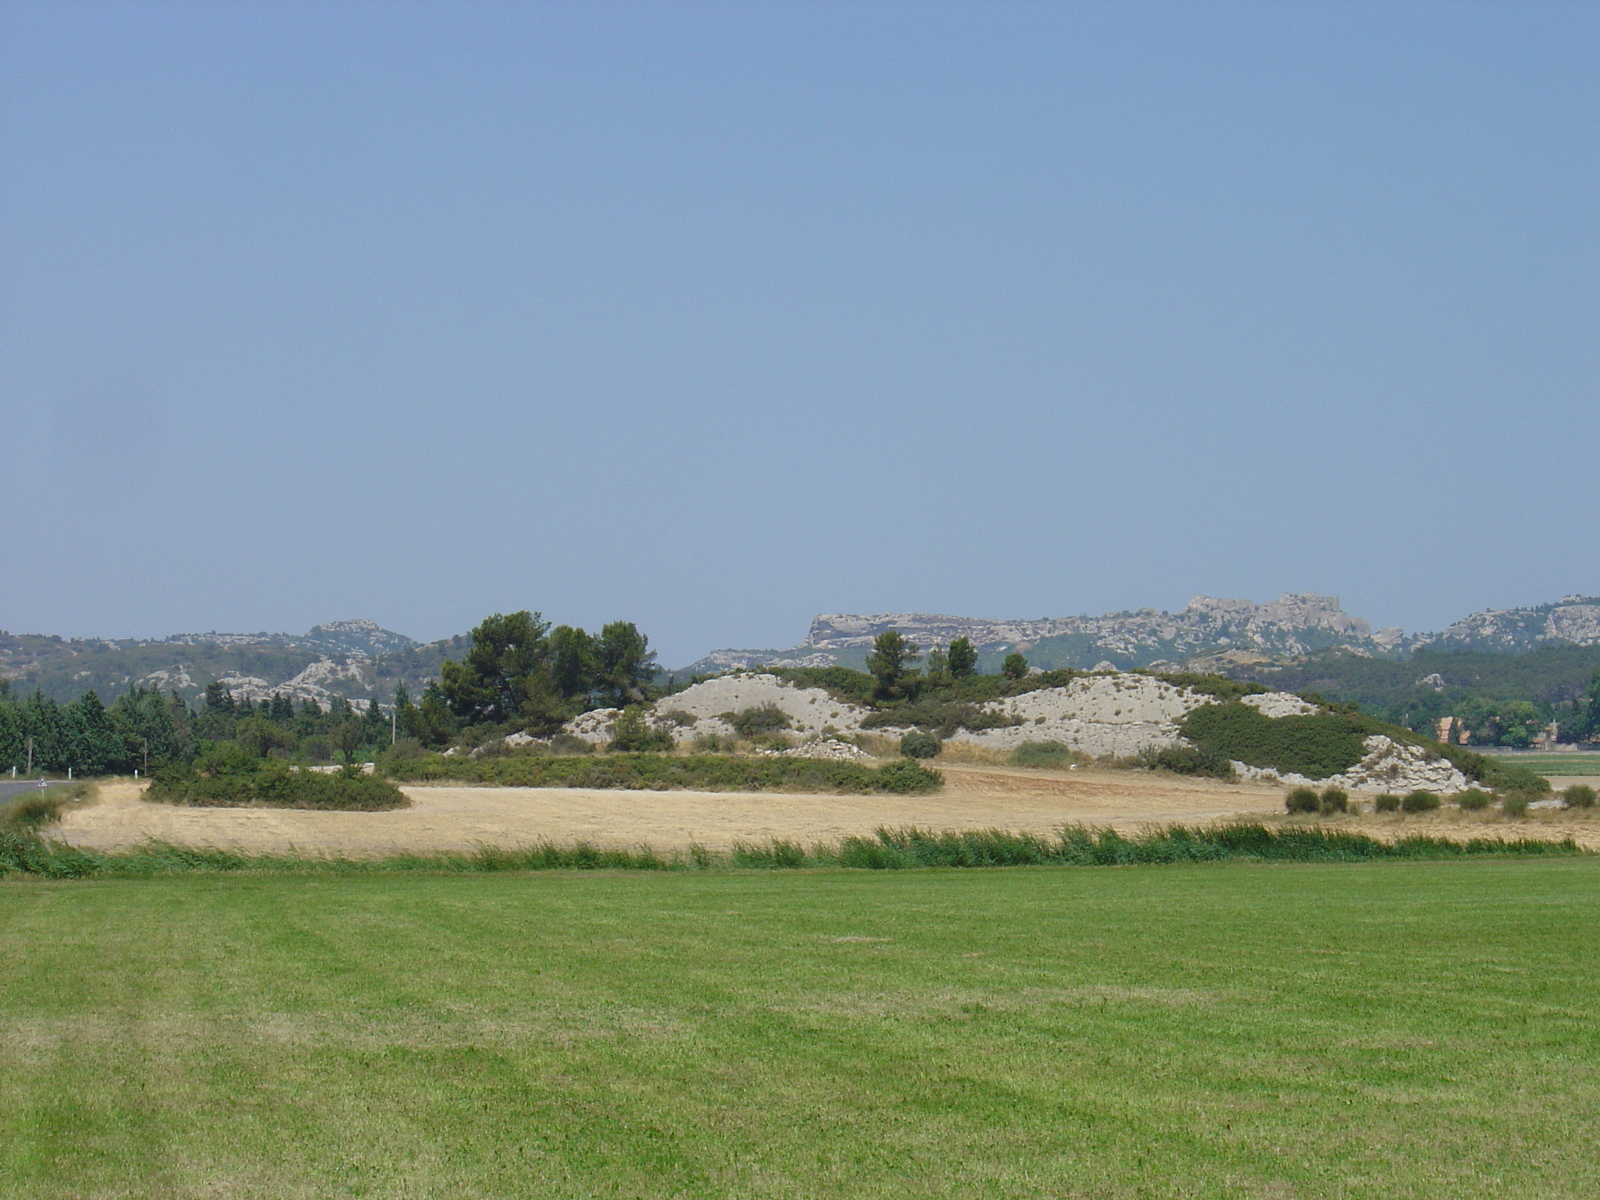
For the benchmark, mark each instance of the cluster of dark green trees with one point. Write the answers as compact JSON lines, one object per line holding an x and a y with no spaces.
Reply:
{"x":521,"y":674}
{"x":143,"y":729}
{"x":39,"y":735}
{"x":518,"y":673}
{"x":892,"y":664}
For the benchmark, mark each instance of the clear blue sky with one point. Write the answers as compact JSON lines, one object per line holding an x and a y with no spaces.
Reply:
{"x":715,"y":316}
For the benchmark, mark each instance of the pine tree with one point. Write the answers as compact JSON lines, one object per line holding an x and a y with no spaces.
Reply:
{"x":219,"y":699}
{"x":626,"y":664}
{"x":890,"y":663}
{"x":506,"y":674}
{"x":43,"y":722}
{"x":963,"y":658}
{"x":12,"y":745}
{"x":93,"y":745}
{"x":407,"y":718}
{"x":574,"y":662}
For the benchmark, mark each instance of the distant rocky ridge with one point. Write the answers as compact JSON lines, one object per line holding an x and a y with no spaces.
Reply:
{"x":1295,"y":623}
{"x":1572,"y":619}
{"x":1204,"y":631}
{"x":356,"y":659}
{"x":334,"y":638}
{"x":359,"y":659}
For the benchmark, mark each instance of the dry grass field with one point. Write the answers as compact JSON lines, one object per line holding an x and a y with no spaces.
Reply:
{"x":975,"y":797}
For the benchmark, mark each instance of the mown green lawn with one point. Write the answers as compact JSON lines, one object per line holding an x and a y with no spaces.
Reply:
{"x":1560,"y":764}
{"x":1383,"y":1030}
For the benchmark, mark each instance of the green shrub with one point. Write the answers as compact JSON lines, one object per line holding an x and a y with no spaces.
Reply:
{"x":1579,"y":795}
{"x":632,"y":734}
{"x":1419,"y":802}
{"x":1335,"y":800}
{"x":219,"y":780}
{"x":1190,"y":760}
{"x":753,"y":722}
{"x":1301,"y":800}
{"x":1044,"y":754}
{"x":907,"y":776}
{"x":1317,"y":745}
{"x":1494,"y":771}
{"x":1388,"y":802}
{"x":943,"y":717}
{"x":1474,"y":800}
{"x":1514,"y":804}
{"x":842,"y":683}
{"x":920,"y":744}
{"x":570,"y":743}
{"x":1218,"y":686}
{"x":659,"y":772}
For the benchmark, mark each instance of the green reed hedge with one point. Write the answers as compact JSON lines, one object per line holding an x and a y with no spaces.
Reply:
{"x":662,"y":772}
{"x":888,"y":849}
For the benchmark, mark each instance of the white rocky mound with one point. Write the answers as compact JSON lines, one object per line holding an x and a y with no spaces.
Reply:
{"x":698,"y":710}
{"x":1111,"y":713}
{"x":1124,"y":715}
{"x":1097,"y":714}
{"x":1387,"y":767}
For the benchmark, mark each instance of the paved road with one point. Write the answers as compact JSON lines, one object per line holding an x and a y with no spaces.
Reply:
{"x":10,"y":789}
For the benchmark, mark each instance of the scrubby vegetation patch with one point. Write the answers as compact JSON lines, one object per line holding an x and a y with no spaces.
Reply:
{"x":660,"y":772}
{"x":228,"y":777}
{"x":1316,"y":746}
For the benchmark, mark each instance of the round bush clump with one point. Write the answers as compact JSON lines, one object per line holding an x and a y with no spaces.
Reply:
{"x":1579,"y":795}
{"x":1302,"y":800}
{"x":1419,"y":802}
{"x":1335,"y":800}
{"x":1388,"y":802}
{"x":906,"y":775}
{"x":920,"y":744}
{"x":1514,"y":805}
{"x":1474,"y":800}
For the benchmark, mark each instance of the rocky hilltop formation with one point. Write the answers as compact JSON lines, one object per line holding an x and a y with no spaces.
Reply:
{"x":1295,"y":623}
{"x":1572,"y":619}
{"x":1208,"y":633}
{"x":335,"y":638}
{"x":359,"y":659}
{"x":1292,"y":624}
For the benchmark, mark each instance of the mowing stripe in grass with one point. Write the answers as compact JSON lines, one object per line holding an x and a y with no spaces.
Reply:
{"x":1370,"y":1031}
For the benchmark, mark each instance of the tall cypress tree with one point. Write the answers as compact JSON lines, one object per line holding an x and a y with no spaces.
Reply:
{"x":42,"y":721}
{"x":93,"y":745}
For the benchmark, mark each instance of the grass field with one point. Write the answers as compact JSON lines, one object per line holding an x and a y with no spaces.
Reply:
{"x":1372,"y":1030}
{"x":1560,"y":764}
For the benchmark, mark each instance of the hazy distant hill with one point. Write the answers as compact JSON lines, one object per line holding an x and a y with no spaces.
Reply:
{"x":1209,"y":629}
{"x":355,"y":659}
{"x":360,"y":659}
{"x":335,"y":638}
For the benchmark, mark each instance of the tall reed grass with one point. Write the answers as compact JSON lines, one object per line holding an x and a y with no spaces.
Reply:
{"x":35,"y":810}
{"x":22,"y":853}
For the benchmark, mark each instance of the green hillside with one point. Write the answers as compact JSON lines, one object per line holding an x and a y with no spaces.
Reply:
{"x":1503,"y":698}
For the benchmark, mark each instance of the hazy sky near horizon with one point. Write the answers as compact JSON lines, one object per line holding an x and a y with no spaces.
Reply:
{"x":716,"y":316}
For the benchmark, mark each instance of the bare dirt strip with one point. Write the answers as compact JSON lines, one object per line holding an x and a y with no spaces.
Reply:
{"x":459,"y":818}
